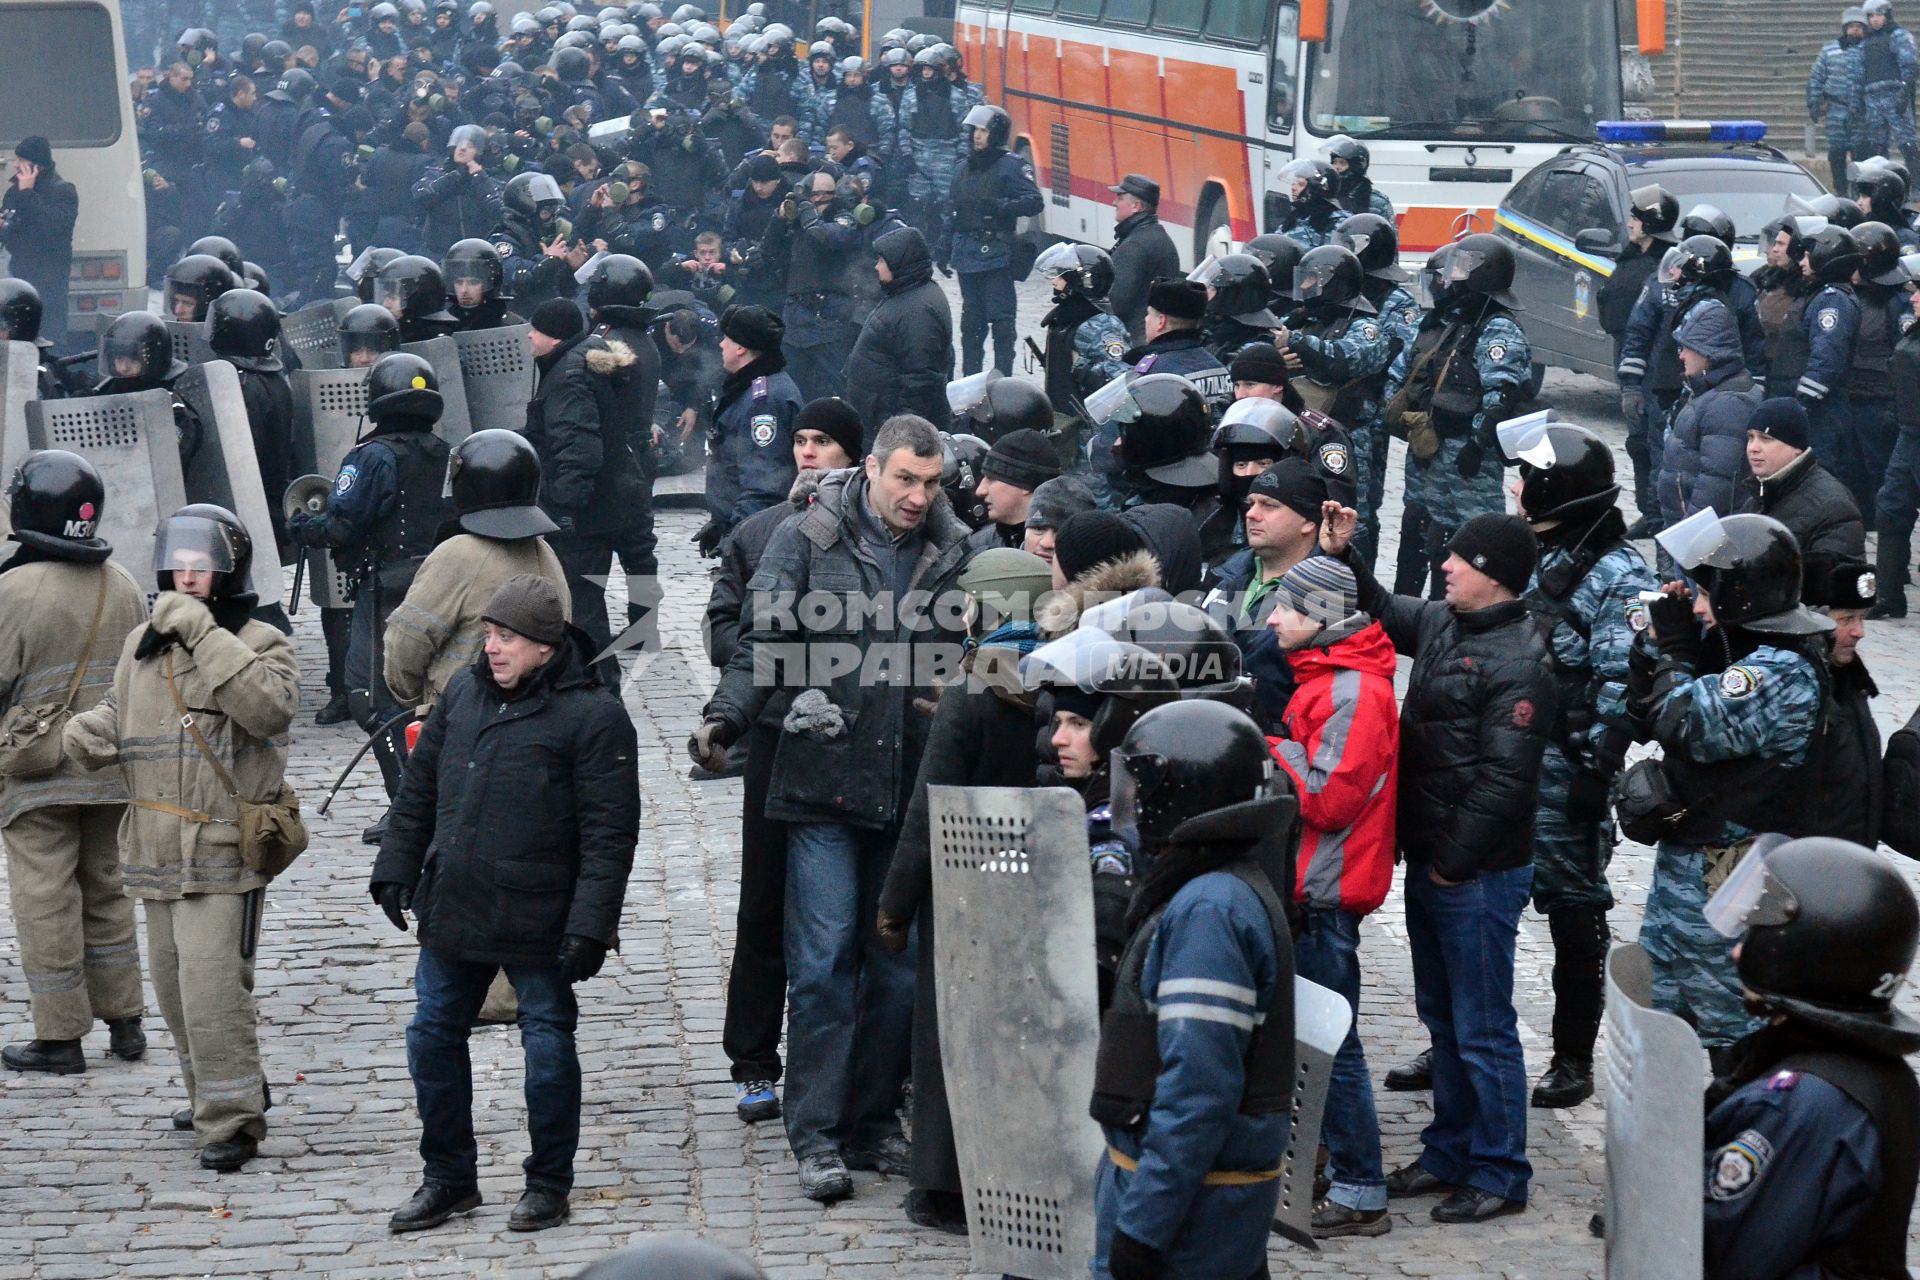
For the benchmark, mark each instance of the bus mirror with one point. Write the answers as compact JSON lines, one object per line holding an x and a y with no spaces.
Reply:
{"x":1597,"y":240}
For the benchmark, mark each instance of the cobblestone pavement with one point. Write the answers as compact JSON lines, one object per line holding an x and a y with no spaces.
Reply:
{"x":93,"y":1182}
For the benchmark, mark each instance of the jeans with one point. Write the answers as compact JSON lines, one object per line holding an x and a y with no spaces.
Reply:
{"x":1327,"y":951}
{"x":849,"y":1000}
{"x":448,"y":994}
{"x":757,"y":979}
{"x":987,"y":299}
{"x":1462,"y":938}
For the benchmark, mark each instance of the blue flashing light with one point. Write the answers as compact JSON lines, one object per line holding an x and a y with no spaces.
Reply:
{"x":1620,"y":132}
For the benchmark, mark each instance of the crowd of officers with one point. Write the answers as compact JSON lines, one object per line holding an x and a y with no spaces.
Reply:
{"x":1165,"y":551}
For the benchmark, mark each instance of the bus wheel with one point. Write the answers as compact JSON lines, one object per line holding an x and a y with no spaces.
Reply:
{"x":1213,"y":233}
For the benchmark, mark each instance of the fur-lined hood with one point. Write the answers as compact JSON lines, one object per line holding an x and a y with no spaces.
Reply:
{"x":1060,"y":611}
{"x":609,"y":358}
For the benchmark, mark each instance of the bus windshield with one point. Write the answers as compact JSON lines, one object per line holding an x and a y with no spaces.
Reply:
{"x":57,"y":63}
{"x":1509,"y":69}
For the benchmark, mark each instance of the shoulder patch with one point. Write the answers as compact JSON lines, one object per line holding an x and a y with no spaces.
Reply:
{"x":1116,"y":347}
{"x":1738,"y":1165}
{"x":1498,"y":351}
{"x":1523,"y":712}
{"x":1637,"y":617}
{"x":764,"y":427}
{"x":1828,"y":319}
{"x":213,"y":124}
{"x":1739,"y":682}
{"x":659,"y":221}
{"x":1369,"y":331}
{"x":1333,"y":458}
{"x":1783,"y":1081}
{"x":344,"y":484}
{"x":1026,"y":171}
{"x":759,"y":389}
{"x":504,"y":248}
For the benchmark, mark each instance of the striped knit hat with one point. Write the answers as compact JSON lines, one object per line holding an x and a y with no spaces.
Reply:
{"x":1320,"y":588}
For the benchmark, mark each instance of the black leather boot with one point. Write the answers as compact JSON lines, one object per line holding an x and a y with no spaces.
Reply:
{"x":125,"y":1039}
{"x":56,"y":1057}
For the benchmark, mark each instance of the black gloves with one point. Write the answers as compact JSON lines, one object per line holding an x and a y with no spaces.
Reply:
{"x":1128,"y":1259}
{"x":709,"y":538}
{"x":581,"y":958}
{"x":394,"y":899}
{"x":1467,"y":461}
{"x":1673,"y":626}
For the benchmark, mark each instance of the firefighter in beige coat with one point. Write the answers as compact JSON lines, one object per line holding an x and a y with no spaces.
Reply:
{"x":65,"y":612}
{"x":180,"y":843}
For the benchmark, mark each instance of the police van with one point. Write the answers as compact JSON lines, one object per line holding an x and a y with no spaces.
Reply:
{"x":1567,"y":218}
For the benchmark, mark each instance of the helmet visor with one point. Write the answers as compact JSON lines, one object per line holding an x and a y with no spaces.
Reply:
{"x":1113,"y":402}
{"x":1207,"y":273}
{"x":1311,"y":282}
{"x":966,"y":394}
{"x":118,"y":348}
{"x":1524,"y":439}
{"x":1256,"y":421}
{"x":1751,"y":898}
{"x":370,"y":345}
{"x":358,"y":269}
{"x":1461,"y":264}
{"x":394,"y":293}
{"x":1695,"y":540}
{"x":193,"y":543}
{"x":1057,"y":261}
{"x":192,"y":298}
{"x":1134,"y":779}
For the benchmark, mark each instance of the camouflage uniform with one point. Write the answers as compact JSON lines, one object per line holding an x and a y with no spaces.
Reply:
{"x":936,"y":148}
{"x":1358,"y":355}
{"x":1889,"y":99}
{"x":1400,"y":316}
{"x":1833,"y":90}
{"x":1766,"y":705}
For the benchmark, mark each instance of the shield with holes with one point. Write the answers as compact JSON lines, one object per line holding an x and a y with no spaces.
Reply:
{"x":455,"y":422}
{"x":224,"y":468}
{"x":1320,"y":1021}
{"x":132,"y":442}
{"x":1019,"y":1020}
{"x":313,"y":332}
{"x":19,"y":384}
{"x":497,"y":368}
{"x":329,"y":413}
{"x":1656,"y":1117}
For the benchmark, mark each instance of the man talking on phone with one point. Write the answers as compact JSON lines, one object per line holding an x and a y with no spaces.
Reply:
{"x":36,"y":225}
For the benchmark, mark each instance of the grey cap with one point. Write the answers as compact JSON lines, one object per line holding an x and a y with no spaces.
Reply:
{"x":530,"y":605}
{"x":1139,"y":186}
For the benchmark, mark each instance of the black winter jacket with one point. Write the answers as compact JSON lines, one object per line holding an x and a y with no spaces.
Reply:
{"x":517,"y":817}
{"x":1847,"y":756}
{"x":456,"y":204}
{"x":740,"y":555}
{"x":38,"y":232}
{"x":904,"y":356}
{"x":1473,"y":728}
{"x":1816,"y":508}
{"x":1142,"y":253}
{"x":588,"y":473}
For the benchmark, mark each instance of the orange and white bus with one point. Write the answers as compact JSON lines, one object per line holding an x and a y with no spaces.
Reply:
{"x":1455,"y":100}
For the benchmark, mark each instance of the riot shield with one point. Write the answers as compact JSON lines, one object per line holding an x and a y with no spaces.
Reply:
{"x":1019,"y":1020}
{"x":497,"y":367}
{"x":132,"y":442}
{"x":455,"y":425}
{"x":329,"y":413}
{"x":313,"y":332}
{"x":19,"y":383}
{"x":225,"y":469}
{"x":1656,"y":1071}
{"x":190,"y":341}
{"x":1320,"y":1021}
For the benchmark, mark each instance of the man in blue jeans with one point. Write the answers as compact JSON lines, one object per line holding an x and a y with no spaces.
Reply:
{"x":834,"y":628}
{"x":510,"y":840}
{"x":1473,"y":730}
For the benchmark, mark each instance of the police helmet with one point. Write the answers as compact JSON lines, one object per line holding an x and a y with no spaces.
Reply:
{"x":479,"y":9}
{"x":1087,"y":269}
{"x":140,"y":337}
{"x":895,"y":38}
{"x":1707,"y":220}
{"x":1880,"y":253}
{"x":253,"y":48}
{"x":1122,"y":680}
{"x":365,"y":269}
{"x":244,"y":327}
{"x":383,"y":13}
{"x":368,"y":331}
{"x":1355,"y":153}
{"x":219,"y":247}
{"x":1876,"y":182}
{"x":275,"y":53}
{"x":1280,"y":255}
{"x":205,"y":537}
{"x":196,"y":280}
{"x":403,"y":385}
{"x":928,"y":62}
{"x":1478,"y":266}
{"x":572,"y":42}
{"x":1375,"y":241}
{"x":20,"y":312}
{"x":412,"y":287}
{"x":572,"y":65}
{"x":1751,"y":568}
{"x":523,"y":24}
{"x":56,"y":502}
{"x":1318,"y":175}
{"x":1331,"y":276}
{"x":580,"y":23}
{"x":1566,"y":474}
{"x":1705,"y":259}
{"x":896,"y":57}
{"x":963,"y":459}
{"x":821,"y":49}
{"x":852,"y":65}
{"x":1241,"y":289}
{"x":688,"y":13}
{"x":1657,"y":211}
{"x":1182,"y":762}
{"x":1195,"y":649}
{"x":1836,"y":210}
{"x":668,"y":30}
{"x":494,"y":480}
{"x":256,"y":278}
{"x":474,"y":259}
{"x":532,"y":197}
{"x":920,"y":42}
{"x":997,"y":123}
{"x":1827,"y":932}
{"x":1256,"y":428}
{"x":632,"y":44}
{"x":295,"y":85}
{"x":1833,"y":255}
{"x":1011,"y":404}
{"x":620,"y":280}
{"x":1165,"y":429}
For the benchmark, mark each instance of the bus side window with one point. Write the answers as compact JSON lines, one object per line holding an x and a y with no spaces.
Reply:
{"x":1284,"y":69}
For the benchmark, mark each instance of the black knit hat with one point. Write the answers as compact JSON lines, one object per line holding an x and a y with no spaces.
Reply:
{"x":1093,"y":538}
{"x":1501,"y":546}
{"x":1294,"y":483}
{"x":558,"y":318}
{"x":755,"y":328}
{"x":840,"y":421}
{"x":1784,"y":419}
{"x":1259,"y":362}
{"x":1180,"y":299}
{"x":36,"y":150}
{"x":1023,"y":459}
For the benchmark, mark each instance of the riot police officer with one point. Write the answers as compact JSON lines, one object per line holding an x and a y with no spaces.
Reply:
{"x":367,"y":332}
{"x":20,"y":312}
{"x":1376,"y":242}
{"x":472,"y":271}
{"x":1652,"y":214}
{"x":1086,"y":343}
{"x":618,"y":315}
{"x":1830,"y":328}
{"x":1353,"y":190}
{"x":929,"y":124}
{"x":412,"y":288}
{"x":1238,"y":292}
{"x":1810,"y":1162}
{"x":1191,"y":791}
{"x":1164,"y":434}
{"x":1881,"y":192}
{"x":1736,"y":718}
{"x":243,"y":328}
{"x":1311,"y":213}
{"x":1005,"y":406}
{"x":991,"y":190}
{"x":1466,"y":370}
{"x":533,"y":253}
{"x":194,"y":282}
{"x":1880,"y":290}
{"x":137,"y":355}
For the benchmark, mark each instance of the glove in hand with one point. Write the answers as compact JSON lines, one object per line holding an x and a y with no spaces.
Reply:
{"x":1467,"y":461}
{"x":581,"y":958}
{"x":395,"y":899}
{"x":1673,"y":623}
{"x":1632,"y":406}
{"x":1128,"y":1259}
{"x":708,"y":745}
{"x":183,"y":617}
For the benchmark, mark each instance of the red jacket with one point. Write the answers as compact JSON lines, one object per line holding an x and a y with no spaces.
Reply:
{"x":1342,"y":750}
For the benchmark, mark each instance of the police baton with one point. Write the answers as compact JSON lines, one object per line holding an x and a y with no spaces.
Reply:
{"x":379,"y":733}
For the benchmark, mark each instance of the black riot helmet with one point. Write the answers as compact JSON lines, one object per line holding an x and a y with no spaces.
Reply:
{"x":620,"y":280}
{"x":222,"y":248}
{"x":1318,"y":176}
{"x":572,"y":65}
{"x":56,"y":501}
{"x":1478,"y":266}
{"x":471,"y":260}
{"x":244,"y":327}
{"x":1242,"y":288}
{"x":1376,"y":242}
{"x":295,"y":86}
{"x":403,"y":385}
{"x":205,"y":537}
{"x":139,"y":342}
{"x":1827,"y":932}
{"x":1353,"y":152}
{"x":1087,"y":269}
{"x":533,"y":198}
{"x":673,"y":1258}
{"x":1011,"y":404}
{"x":274,"y":54}
{"x":193,"y":283}
{"x":367,"y":332}
{"x":1840,"y":212}
{"x":20,"y":312}
{"x":494,"y":480}
{"x":1329,"y":277}
{"x":1194,"y":648}
{"x":1749,"y":565}
{"x":1256,"y":428}
{"x":255,"y":278}
{"x":1705,"y":259}
{"x":1658,"y":212}
{"x":997,"y":123}
{"x":1879,"y":183}
{"x":1566,"y":473}
{"x":1880,"y":253}
{"x":1707,"y":220}
{"x":1184,"y":761}
{"x":963,"y":458}
{"x":1165,"y":429}
{"x":1280,"y":255}
{"x":364,"y":271}
{"x":412,"y":287}
{"x":1833,"y":255}
{"x":1126,"y":680}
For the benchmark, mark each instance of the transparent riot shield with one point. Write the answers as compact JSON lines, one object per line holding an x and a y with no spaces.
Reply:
{"x":455,"y":424}
{"x":132,"y":442}
{"x":225,"y":469}
{"x":497,"y":367}
{"x":329,"y":413}
{"x":1019,"y":1020}
{"x":1656,"y":1121}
